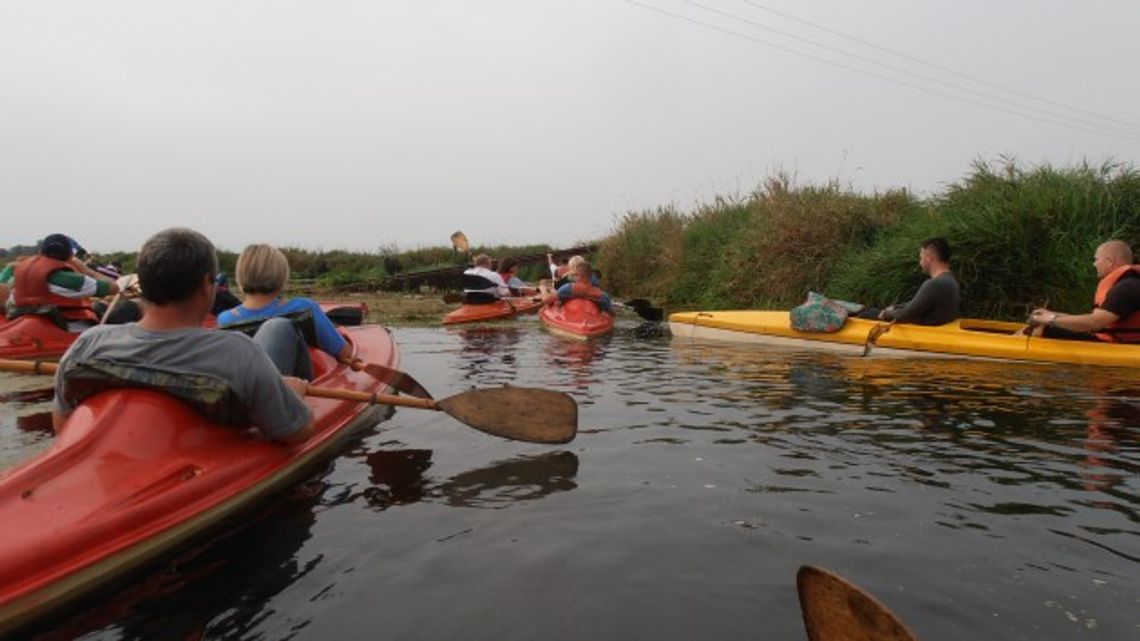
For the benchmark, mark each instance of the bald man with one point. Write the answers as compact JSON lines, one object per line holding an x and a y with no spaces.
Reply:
{"x":1115,"y":317}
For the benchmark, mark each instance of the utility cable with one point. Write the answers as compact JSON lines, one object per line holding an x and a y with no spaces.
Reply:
{"x":920,"y":76}
{"x":872,"y":74}
{"x":933,"y":65}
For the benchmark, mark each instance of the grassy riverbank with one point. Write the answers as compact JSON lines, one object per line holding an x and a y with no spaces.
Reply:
{"x":1021,"y":237}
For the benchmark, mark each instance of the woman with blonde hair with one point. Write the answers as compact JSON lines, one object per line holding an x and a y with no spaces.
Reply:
{"x":262,"y":271}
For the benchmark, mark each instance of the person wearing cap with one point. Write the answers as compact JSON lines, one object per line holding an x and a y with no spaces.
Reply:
{"x":55,"y":283}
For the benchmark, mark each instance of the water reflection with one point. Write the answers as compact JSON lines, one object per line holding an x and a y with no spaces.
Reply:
{"x":397,"y":477}
{"x":488,"y":354}
{"x":220,"y":588}
{"x":503,"y":483}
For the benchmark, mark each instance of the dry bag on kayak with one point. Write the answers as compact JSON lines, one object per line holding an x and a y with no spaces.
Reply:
{"x":821,"y":314}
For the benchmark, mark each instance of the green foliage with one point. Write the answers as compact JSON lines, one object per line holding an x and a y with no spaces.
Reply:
{"x":644,"y":253}
{"x":1021,"y":237}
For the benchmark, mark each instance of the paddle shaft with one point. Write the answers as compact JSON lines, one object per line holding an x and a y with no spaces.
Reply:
{"x":374,"y":398}
{"x":44,"y":367}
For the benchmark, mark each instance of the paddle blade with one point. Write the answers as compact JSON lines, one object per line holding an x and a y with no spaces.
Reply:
{"x":517,"y":413}
{"x":873,"y":336}
{"x":645,"y":309}
{"x":397,"y":380}
{"x":836,"y":610}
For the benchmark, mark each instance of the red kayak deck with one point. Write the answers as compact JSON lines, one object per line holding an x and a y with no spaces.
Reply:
{"x":135,"y":473}
{"x":33,"y":337}
{"x":500,"y":309}
{"x":29,"y":337}
{"x":577,"y":318}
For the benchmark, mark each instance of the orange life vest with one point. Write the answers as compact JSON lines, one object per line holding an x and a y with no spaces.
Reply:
{"x":30,"y":290}
{"x":1124,"y":330}
{"x":587,"y":291}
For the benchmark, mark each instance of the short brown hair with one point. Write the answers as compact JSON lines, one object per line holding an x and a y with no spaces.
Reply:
{"x":172,"y":264}
{"x":262,"y":269}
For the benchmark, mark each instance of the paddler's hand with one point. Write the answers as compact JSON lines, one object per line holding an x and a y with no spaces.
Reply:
{"x":129,"y":284}
{"x":298,"y":385}
{"x":1042,"y":316}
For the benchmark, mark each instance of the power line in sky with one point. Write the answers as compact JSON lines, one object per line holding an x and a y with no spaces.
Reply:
{"x":959,"y":87}
{"x":1067,"y":122}
{"x":933,"y":65}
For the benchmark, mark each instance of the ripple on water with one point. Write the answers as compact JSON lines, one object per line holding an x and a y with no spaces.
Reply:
{"x":982,"y":499}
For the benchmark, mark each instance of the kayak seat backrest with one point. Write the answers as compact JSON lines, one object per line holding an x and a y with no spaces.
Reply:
{"x":303,"y":320}
{"x":346,"y":316}
{"x":473,"y":290}
{"x":208,"y":395}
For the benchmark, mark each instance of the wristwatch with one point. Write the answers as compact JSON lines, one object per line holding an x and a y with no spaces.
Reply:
{"x":1053,"y":321}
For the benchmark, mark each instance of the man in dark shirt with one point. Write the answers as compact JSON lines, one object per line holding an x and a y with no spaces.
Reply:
{"x":937,"y":299}
{"x":1114,"y":307}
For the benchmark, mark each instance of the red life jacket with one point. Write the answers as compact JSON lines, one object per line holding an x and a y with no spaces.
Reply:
{"x":585,"y":290}
{"x":30,"y":290}
{"x":1124,"y":330}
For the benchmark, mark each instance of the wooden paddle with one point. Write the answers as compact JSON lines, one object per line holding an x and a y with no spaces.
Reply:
{"x":872,"y":336}
{"x":394,"y":378}
{"x":642,"y":308}
{"x":837,"y":610}
{"x":125,"y":283}
{"x":517,"y":413}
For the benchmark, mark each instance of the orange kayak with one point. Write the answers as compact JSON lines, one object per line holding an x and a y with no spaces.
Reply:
{"x":503,"y":308}
{"x":577,"y":318}
{"x":29,"y":337}
{"x":135,"y":473}
{"x":33,"y":337}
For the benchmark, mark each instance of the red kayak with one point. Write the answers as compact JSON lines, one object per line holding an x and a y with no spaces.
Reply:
{"x":136,"y":473}
{"x":503,"y":308}
{"x":29,"y":337}
{"x":577,"y":318}
{"x":33,"y":337}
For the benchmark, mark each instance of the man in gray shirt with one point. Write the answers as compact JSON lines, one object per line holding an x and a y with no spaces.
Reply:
{"x":937,"y":300}
{"x":176,"y":270}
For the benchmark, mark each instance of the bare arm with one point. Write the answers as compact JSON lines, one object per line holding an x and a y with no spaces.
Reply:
{"x":1094,"y":321}
{"x":298,"y":387}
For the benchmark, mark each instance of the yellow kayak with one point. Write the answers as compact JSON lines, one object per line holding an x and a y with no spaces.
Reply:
{"x":969,"y":338}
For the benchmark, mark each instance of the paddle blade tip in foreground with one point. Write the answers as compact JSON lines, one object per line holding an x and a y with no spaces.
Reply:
{"x":516,"y":413}
{"x":837,"y":610}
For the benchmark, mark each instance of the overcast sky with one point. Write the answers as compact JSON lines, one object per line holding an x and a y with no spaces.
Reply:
{"x":359,"y":125}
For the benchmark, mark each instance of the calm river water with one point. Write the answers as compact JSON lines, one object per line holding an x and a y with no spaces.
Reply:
{"x":977,"y":500}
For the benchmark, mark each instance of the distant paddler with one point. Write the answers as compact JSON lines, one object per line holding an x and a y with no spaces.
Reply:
{"x":483,"y":285}
{"x":1115,"y":317}
{"x":582,"y":285}
{"x":509,"y":272}
{"x":55,"y":283}
{"x":937,"y":299}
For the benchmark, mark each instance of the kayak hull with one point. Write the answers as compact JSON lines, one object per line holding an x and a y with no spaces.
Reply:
{"x":33,"y":337}
{"x":577,"y":319}
{"x":498,"y":310}
{"x":134,"y":474}
{"x":966,"y":338}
